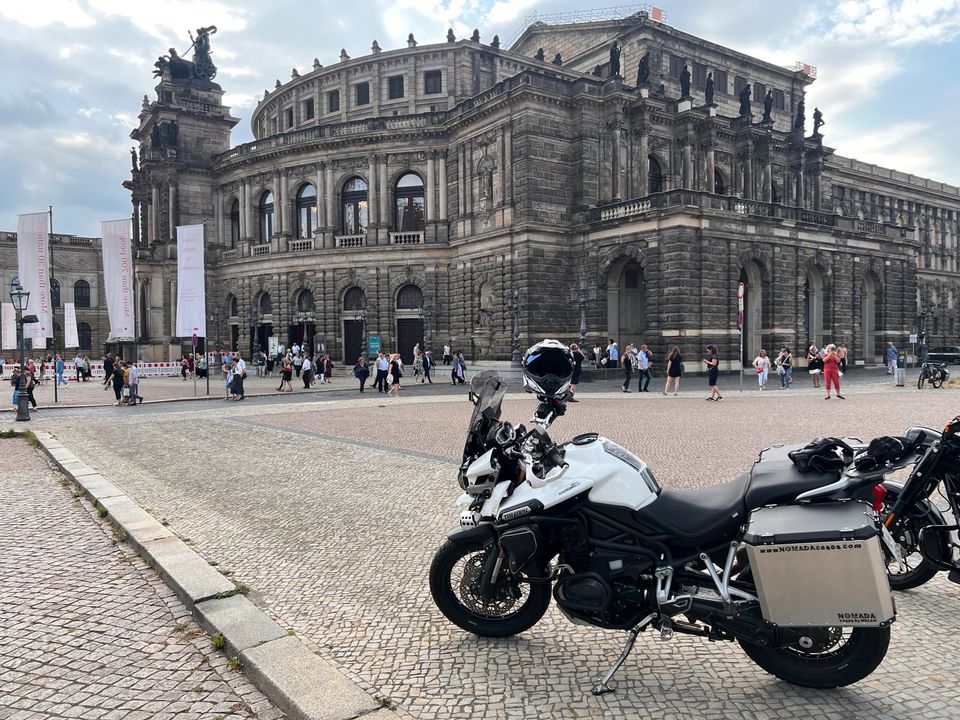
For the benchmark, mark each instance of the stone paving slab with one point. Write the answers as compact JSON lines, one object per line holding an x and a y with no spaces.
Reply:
{"x":87,"y":630}
{"x":241,"y":623}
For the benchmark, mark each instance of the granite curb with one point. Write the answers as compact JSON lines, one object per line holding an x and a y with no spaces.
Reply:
{"x":299,"y":682}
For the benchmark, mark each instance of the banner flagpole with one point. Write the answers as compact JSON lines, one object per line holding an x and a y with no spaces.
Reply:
{"x":53,"y":307}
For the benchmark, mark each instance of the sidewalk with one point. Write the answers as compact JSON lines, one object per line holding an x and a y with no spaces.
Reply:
{"x":88,"y":630}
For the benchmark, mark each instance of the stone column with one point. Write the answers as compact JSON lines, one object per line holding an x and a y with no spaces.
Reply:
{"x":248,"y":228}
{"x":687,"y":164}
{"x":442,"y":157}
{"x":431,"y":187}
{"x":372,"y":205}
{"x":461,"y":182}
{"x":321,"y":216}
{"x":155,"y":214}
{"x":508,"y":165}
{"x":815,"y":180}
{"x":287,"y":224}
{"x":221,"y":237}
{"x":768,"y":179}
{"x":617,"y":179}
{"x":276,"y":206}
{"x":710,"y":180}
{"x":644,"y":162}
{"x":801,"y":193}
{"x":385,"y":214}
{"x":328,"y":194}
{"x":173,"y":308}
{"x":136,"y":221}
{"x":748,"y":177}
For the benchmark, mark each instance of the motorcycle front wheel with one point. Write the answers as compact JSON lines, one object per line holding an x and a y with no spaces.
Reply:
{"x":824,"y":657}
{"x":937,"y":380}
{"x":509,"y":608}
{"x":921,"y":379}
{"x":917,"y":569}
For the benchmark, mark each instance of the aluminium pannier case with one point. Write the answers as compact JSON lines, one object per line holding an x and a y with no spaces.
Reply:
{"x":819,"y":565}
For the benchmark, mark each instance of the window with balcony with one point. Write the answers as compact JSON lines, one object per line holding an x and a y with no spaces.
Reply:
{"x":353,"y":200}
{"x":432,"y":82}
{"x":81,"y":294}
{"x":395,"y":87}
{"x":235,"y":223}
{"x":362,"y":93}
{"x":654,"y":177}
{"x":266,"y":217}
{"x":289,"y":114}
{"x":306,"y":211}
{"x":408,"y":193}
{"x":333,"y":101}
{"x":308,"y":109}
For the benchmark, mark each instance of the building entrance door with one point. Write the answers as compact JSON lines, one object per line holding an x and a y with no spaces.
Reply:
{"x":409,"y":333}
{"x":352,"y":340}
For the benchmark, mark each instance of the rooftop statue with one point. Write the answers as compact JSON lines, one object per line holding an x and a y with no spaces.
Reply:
{"x":745,"y":100}
{"x":685,"y":81}
{"x":614,"y":59}
{"x":201,"y":68}
{"x":708,"y":91}
{"x":643,"y":69}
{"x":801,"y":119}
{"x":817,"y":121}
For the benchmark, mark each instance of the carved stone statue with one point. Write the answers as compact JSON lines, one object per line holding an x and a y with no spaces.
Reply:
{"x":801,"y":119}
{"x":767,"y":105}
{"x":133,"y":159}
{"x":450,"y":36}
{"x":745,"y":95}
{"x":203,"y":67}
{"x":476,"y":36}
{"x":817,"y":121}
{"x":161,"y":65}
{"x":495,"y":43}
{"x":643,"y":69}
{"x":615,"y":59}
{"x":685,"y":81}
{"x":539,"y":55}
{"x":708,"y":91}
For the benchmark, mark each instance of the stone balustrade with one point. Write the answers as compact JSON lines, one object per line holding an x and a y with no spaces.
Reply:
{"x":259,"y":250}
{"x":406,"y":238}
{"x":301,"y":245}
{"x":349,"y":241}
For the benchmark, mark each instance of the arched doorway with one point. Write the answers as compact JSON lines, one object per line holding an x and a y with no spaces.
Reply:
{"x":752,"y":278}
{"x":813,"y":303}
{"x":869,"y":312}
{"x":409,"y":321}
{"x":354,"y":321}
{"x":654,"y":176}
{"x":627,"y":303}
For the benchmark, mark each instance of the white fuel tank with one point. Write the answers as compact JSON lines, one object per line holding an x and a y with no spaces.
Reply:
{"x":612,"y":474}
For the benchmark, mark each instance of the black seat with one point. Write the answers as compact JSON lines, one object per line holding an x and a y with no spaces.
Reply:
{"x":775,"y":479}
{"x":700,"y":517}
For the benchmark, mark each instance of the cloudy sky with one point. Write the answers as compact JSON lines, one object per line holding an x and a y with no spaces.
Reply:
{"x":74,"y":72}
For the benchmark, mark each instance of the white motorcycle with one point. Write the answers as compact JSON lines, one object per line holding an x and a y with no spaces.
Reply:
{"x":801,"y":586}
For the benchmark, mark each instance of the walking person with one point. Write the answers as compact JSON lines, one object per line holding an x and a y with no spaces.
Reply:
{"x":382,"y":364}
{"x":814,"y":365}
{"x":286,"y":376}
{"x":77,"y":366}
{"x":842,"y":354}
{"x":459,"y":368}
{"x":327,"y":369}
{"x":642,"y":360}
{"x":87,"y":371}
{"x":239,"y":375}
{"x":627,"y":368}
{"x":116,"y":379}
{"x":297,"y":363}
{"x":307,"y":372}
{"x":59,"y":366}
{"x":784,"y":363}
{"x":892,"y":354}
{"x":762,"y":363}
{"x":133,"y":382}
{"x":613,"y":354}
{"x":15,"y":382}
{"x":394,"y":374}
{"x":578,"y":359}
{"x":361,"y":372}
{"x":184,"y":368}
{"x":417,"y":363}
{"x":831,"y":371}
{"x":674,"y":370}
{"x":712,"y":361}
{"x":107,"y":369}
{"x":447,"y":357}
{"x":427,"y":367}
{"x":226,"y":373}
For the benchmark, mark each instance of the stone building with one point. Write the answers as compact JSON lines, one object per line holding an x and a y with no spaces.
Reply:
{"x":467,"y":193}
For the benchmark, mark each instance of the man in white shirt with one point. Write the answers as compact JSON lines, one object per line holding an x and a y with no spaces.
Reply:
{"x":295,"y":349}
{"x":307,"y":372}
{"x":613,"y":354}
{"x":78,"y":366}
{"x":239,"y":374}
{"x":134,"y":384}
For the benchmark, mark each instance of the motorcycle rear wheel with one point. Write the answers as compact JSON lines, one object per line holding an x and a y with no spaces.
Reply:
{"x":937,"y":381}
{"x":825,"y":657}
{"x":454,"y":583}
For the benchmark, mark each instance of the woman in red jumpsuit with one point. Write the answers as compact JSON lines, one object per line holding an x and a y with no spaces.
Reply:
{"x":831,"y":371}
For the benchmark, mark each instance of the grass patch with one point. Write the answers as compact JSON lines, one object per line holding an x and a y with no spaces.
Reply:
{"x":76,"y":492}
{"x":180,"y":627}
{"x":218,"y":641}
{"x":198,"y":689}
{"x":386,"y":702}
{"x":23,"y":434}
{"x":235,"y":663}
{"x":101,"y":511}
{"x":238,"y":589}
{"x":119,"y":535}
{"x":213,"y":563}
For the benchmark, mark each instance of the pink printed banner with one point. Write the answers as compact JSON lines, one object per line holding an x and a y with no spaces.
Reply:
{"x":118,"y":278}
{"x":71,"y":339}
{"x":191,"y":286}
{"x":8,"y":326}
{"x":33,"y":261}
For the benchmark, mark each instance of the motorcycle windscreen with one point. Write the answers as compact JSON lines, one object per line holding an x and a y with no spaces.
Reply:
{"x":489,"y":391}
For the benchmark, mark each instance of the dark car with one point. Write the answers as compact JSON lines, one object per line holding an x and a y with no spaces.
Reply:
{"x":949,"y":355}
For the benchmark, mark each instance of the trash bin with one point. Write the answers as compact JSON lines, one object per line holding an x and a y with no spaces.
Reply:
{"x":899,"y":374}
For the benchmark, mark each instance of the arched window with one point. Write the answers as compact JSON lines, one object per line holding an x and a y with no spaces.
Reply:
{"x":408,"y":194}
{"x":305,"y":301}
{"x":234,"y":307}
{"x":354,"y":299}
{"x":81,"y":294}
{"x":354,"y":204}
{"x":55,"y":292}
{"x":84,"y":333}
{"x":235,"y":223}
{"x":266,"y":217}
{"x":775,"y":196}
{"x":654,"y":177}
{"x":265,"y":304}
{"x":306,"y":211}
{"x":409,"y":297}
{"x":719,"y":188}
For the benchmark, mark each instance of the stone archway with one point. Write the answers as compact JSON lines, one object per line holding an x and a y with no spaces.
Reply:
{"x":627,"y":302}
{"x":751,"y":275}
{"x":869,"y":309}
{"x":814,"y":301}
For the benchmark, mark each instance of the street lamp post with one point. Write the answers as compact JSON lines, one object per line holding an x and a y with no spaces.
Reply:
{"x":580,"y":295}
{"x":21,"y":299}
{"x":515,"y":360}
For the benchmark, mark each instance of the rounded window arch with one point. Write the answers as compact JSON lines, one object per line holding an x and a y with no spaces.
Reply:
{"x":234,"y":306}
{"x":353,"y":202}
{"x":409,"y":203}
{"x":265,"y":304}
{"x":305,"y":302}
{"x":719,"y":186}
{"x":55,"y":292}
{"x":654,"y":176}
{"x":306,"y":211}
{"x":409,"y":297}
{"x":234,"y":223}
{"x":81,"y":294}
{"x":354,"y":299}
{"x":266,"y":216}
{"x":84,"y":335}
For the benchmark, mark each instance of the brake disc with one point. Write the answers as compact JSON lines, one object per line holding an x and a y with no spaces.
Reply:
{"x":498,"y":603}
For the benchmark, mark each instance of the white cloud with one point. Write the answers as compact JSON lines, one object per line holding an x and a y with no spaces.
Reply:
{"x":236,"y":72}
{"x":88,"y":112}
{"x":235,"y":100}
{"x":65,"y":52}
{"x":507,"y":10}
{"x":904,"y":146}
{"x":172,"y":19}
{"x":42,"y":14}
{"x":899,"y":22}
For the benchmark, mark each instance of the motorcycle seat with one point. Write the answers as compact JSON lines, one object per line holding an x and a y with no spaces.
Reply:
{"x":775,"y":479}
{"x":700,"y":517}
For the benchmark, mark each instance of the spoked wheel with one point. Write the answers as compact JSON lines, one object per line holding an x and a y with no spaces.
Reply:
{"x":937,"y":380}
{"x":917,"y":570}
{"x":824,"y":657}
{"x":507,"y":609}
{"x":921,"y":379}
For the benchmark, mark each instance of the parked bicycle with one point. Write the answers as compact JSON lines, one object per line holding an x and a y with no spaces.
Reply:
{"x":935,"y":373}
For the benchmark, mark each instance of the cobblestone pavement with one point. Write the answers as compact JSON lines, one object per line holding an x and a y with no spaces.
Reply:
{"x":87,"y":630}
{"x":332,"y":511}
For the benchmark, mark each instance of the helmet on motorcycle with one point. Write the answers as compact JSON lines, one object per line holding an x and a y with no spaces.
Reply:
{"x":547,"y":368}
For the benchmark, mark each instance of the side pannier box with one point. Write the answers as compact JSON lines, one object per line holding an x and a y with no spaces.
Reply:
{"x":819,"y":565}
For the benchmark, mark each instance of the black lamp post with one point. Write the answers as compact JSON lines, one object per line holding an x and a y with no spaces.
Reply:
{"x":20,"y":299}
{"x":515,"y":359}
{"x":580,"y":295}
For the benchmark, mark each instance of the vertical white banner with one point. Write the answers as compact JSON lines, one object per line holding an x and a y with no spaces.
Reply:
{"x":118,"y":278}
{"x":38,"y":343}
{"x":33,"y":264}
{"x":191,"y":290}
{"x":8,"y":326}
{"x":71,"y":339}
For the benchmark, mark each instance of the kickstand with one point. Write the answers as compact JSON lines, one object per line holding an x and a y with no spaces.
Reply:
{"x":603,"y":687}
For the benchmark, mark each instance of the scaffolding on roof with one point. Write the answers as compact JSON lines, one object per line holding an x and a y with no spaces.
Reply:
{"x":585,"y":16}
